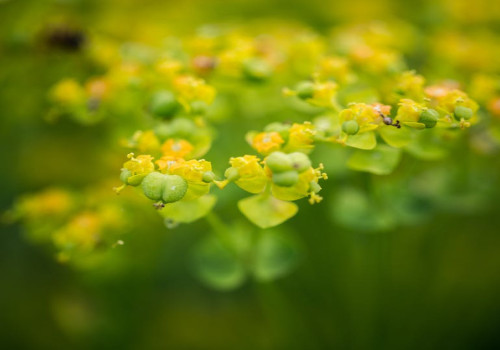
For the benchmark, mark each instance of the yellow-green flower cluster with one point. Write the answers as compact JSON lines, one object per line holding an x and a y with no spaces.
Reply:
{"x":285,"y":137}
{"x":75,"y":225}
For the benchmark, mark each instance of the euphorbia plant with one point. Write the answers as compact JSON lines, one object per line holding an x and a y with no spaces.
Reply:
{"x":355,"y":99}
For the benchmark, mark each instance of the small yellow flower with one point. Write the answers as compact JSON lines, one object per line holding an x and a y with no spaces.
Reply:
{"x":267,"y":142}
{"x":251,"y":175}
{"x":411,"y":85}
{"x":375,"y":60}
{"x":168,"y":67}
{"x":140,"y":165}
{"x":453,"y":98}
{"x":53,"y":201}
{"x":192,"y":89}
{"x":306,"y":186}
{"x":494,"y":107}
{"x":192,"y":171}
{"x":165,"y":162}
{"x":68,"y":91}
{"x":145,"y":141}
{"x":334,"y":67}
{"x":409,"y":111}
{"x":367,"y":116}
{"x":81,"y":233}
{"x":324,"y":94}
{"x":177,"y":148}
{"x":97,"y":88}
{"x":300,"y":137}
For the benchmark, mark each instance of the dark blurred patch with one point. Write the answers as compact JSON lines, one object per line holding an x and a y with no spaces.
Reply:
{"x":63,"y":37}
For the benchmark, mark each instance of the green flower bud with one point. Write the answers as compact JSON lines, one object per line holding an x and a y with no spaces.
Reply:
{"x":305,"y":90}
{"x":124,"y":175}
{"x":315,"y":187}
{"x":462,"y":112}
{"x":208,"y":176}
{"x":300,"y":161}
{"x":163,"y":104}
{"x":232,"y":174}
{"x":174,"y":189}
{"x":350,"y":127}
{"x":256,"y":69}
{"x":133,"y":180}
{"x":199,"y":107}
{"x":286,"y":179}
{"x":429,"y":118}
{"x":153,"y":185}
{"x":279,"y":162}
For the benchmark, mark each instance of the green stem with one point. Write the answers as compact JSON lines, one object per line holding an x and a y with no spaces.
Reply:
{"x":220,"y":229}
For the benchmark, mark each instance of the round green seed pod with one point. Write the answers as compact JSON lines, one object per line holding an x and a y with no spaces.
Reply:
{"x":462,"y":112}
{"x":256,"y":69}
{"x":429,"y":118}
{"x":286,"y":179}
{"x":208,"y":176}
{"x":350,"y":127}
{"x":305,"y":90}
{"x":163,"y":104}
{"x":300,"y":161}
{"x":174,"y":189}
{"x":153,"y":184}
{"x":279,"y":162}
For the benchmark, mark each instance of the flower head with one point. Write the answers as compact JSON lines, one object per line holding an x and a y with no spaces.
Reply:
{"x":247,"y":172}
{"x":267,"y":142}
{"x":300,"y":137}
{"x":192,"y":171}
{"x":177,"y":148}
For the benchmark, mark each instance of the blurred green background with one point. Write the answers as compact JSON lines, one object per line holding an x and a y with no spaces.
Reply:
{"x":435,"y":284}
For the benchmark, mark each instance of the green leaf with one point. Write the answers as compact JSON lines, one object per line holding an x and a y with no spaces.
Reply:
{"x":380,"y":161}
{"x":266,"y":211}
{"x":189,"y":211}
{"x":415,"y":125}
{"x":276,"y":254}
{"x":365,"y":140}
{"x":427,"y":145}
{"x":216,"y":266}
{"x":395,"y":137}
{"x":353,"y":209}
